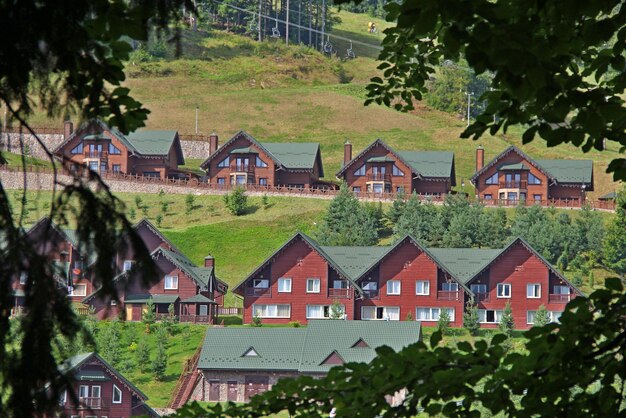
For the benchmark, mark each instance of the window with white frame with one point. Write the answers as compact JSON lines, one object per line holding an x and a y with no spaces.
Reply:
{"x":23,"y":277}
{"x":83,"y":391}
{"x":450,"y":287}
{"x":77,"y":290}
{"x":489,"y":316}
{"x":555,"y":316}
{"x":313,"y":285}
{"x":504,"y":290}
{"x":117,"y":394}
{"x":271,"y":311}
{"x":561,"y":290}
{"x":530,"y":317}
{"x":478,"y":288}
{"x":380,"y":313}
{"x":533,"y":291}
{"x":128,"y":265}
{"x":284,"y":285}
{"x":394,"y":287}
{"x":260,"y":283}
{"x":260,"y":162}
{"x":422,"y":287}
{"x":432,"y":314}
{"x":360,"y":171}
{"x":95,"y":391}
{"x":323,"y":311}
{"x":171,"y":282}
{"x":396,"y":171}
{"x":492,"y":179}
{"x":63,"y":398}
{"x":224,"y":163}
{"x":532,"y":179}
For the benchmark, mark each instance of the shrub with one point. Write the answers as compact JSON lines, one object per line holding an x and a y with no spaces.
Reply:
{"x":471,"y":322}
{"x":190,"y":202}
{"x":443,"y":325}
{"x":265,"y":201}
{"x":295,"y":324}
{"x":159,"y":365}
{"x":409,"y":316}
{"x":144,"y":210}
{"x":506,"y":323}
{"x":159,"y":220}
{"x":164,"y":207}
{"x":138,"y":202}
{"x":336,"y":310}
{"x":161,"y":193}
{"x":542,"y":317}
{"x":149,"y":316}
{"x":256,"y":321}
{"x":132,"y":214}
{"x":237,"y":201}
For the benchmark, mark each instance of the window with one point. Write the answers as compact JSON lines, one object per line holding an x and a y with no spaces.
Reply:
{"x":432,"y":314}
{"x":78,"y":149}
{"x":397,"y":172}
{"x":370,"y":286}
{"x":77,"y":290}
{"x":23,"y":277}
{"x":504,"y":290}
{"x":322,"y":311}
{"x":537,"y":198}
{"x":489,"y":316}
{"x":394,"y":287}
{"x":114,"y":150}
{"x":502,"y":196}
{"x":128,"y":265}
{"x":356,"y":190}
{"x":260,"y":283}
{"x":95,"y":391}
{"x":117,"y":394}
{"x":533,"y":291}
{"x":312,"y":285}
{"x":512,"y":196}
{"x":374,"y":313}
{"x":492,"y":179}
{"x":400,"y":189}
{"x":360,"y":171}
{"x":221,"y":180}
{"x":556,"y":316}
{"x":224,"y":163}
{"x":478,"y":288}
{"x":284,"y":285}
{"x":263,"y":181}
{"x":487,"y":197}
{"x":260,"y":162}
{"x":78,"y":264}
{"x":522,"y":196}
{"x":450,"y":287}
{"x":117,"y":168}
{"x":340,"y":284}
{"x":530,"y":316}
{"x":532,"y":179}
{"x":63,"y":398}
{"x":271,"y":311}
{"x":422,"y":287}
{"x":561,"y":290}
{"x":171,"y":282}
{"x":83,"y":391}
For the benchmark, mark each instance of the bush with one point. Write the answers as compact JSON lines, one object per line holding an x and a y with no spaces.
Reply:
{"x":265,"y":201}
{"x":295,"y":324}
{"x":506,"y":323}
{"x":471,"y":322}
{"x":159,"y":220}
{"x":142,"y":354}
{"x":409,"y":316}
{"x":132,"y":214}
{"x":237,"y":201}
{"x":138,"y":202}
{"x":149,"y":316}
{"x":542,"y":317}
{"x":256,"y":321}
{"x":190,"y":202}
{"x":159,"y":365}
{"x":164,"y":207}
{"x":443,"y":325}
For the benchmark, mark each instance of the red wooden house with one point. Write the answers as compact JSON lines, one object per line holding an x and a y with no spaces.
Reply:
{"x":194,"y":291}
{"x":302,"y":281}
{"x":381,"y":169}
{"x":513,"y":176}
{"x":243,"y":160}
{"x":98,"y":390}
{"x":105,"y":149}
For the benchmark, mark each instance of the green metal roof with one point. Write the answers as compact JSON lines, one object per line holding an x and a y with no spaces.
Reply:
{"x":518,"y":166}
{"x":147,"y":142}
{"x":383,"y":159}
{"x":302,"y":349}
{"x":202,"y":275}
{"x":246,"y":150}
{"x":158,"y":298}
{"x":199,"y":298}
{"x":429,"y":163}
{"x":294,"y":155}
{"x":569,"y":171}
{"x":608,"y":196}
{"x":464,"y":263}
{"x":354,"y":261}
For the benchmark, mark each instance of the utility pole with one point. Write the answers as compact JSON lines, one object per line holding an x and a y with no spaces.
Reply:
{"x":196,"y":120}
{"x":260,"y":36}
{"x":287,"y":30}
{"x":469,"y":95}
{"x":323,"y":20}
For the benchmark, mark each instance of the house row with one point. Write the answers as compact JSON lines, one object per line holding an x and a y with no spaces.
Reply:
{"x":303,"y":280}
{"x":194,"y":291}
{"x":510,"y":177}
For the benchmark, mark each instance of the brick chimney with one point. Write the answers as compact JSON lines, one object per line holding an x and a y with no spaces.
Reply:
{"x":209,"y":261}
{"x":213,"y":143}
{"x":347,"y":153}
{"x":68,"y":129}
{"x":480,"y":157}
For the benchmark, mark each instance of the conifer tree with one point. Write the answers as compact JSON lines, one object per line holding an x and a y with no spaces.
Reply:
{"x":542,"y":316}
{"x":471,"y":321}
{"x":142,"y":354}
{"x":443,"y":324}
{"x":397,"y":207}
{"x":507,"y":324}
{"x":615,"y":242}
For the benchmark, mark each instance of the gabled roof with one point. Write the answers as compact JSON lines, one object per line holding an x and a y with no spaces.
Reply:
{"x":200,"y":275}
{"x":143,"y":298}
{"x":286,"y":155}
{"x":198,"y":298}
{"x":561,"y":171}
{"x":303,"y":349}
{"x":464,"y":263}
{"x":72,"y":365}
{"x":431,"y":164}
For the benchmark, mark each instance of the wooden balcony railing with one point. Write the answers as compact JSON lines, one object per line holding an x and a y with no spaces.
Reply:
{"x":196,"y":319}
{"x":341,"y":293}
{"x":560,"y":298}
{"x":96,"y":154}
{"x":90,"y":403}
{"x":513,"y":184}
{"x":242,"y":168}
{"x":379,"y":177}
{"x":448,"y":294}
{"x":258,"y":291}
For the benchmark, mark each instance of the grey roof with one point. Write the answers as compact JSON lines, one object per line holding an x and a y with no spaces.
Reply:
{"x":199,"y":298}
{"x":569,"y":171}
{"x":609,"y":196}
{"x":429,"y":163}
{"x":302,"y":349}
{"x":148,"y":142}
{"x":294,"y":155}
{"x":464,"y":263}
{"x":518,"y":166}
{"x":355,"y":261}
{"x":156,"y":298}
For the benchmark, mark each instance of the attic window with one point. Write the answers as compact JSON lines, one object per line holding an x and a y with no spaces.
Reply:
{"x":333,"y":359}
{"x":251,"y":352}
{"x":360,"y":343}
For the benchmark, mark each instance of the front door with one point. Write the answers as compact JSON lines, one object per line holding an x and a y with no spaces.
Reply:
{"x":256,"y":385}
{"x":214,"y":390}
{"x":129,"y":312}
{"x":204,"y":310}
{"x":232,"y":391}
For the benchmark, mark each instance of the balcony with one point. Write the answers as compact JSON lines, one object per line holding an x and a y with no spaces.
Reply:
{"x":258,"y":292}
{"x":195,"y":319}
{"x":101,"y":155}
{"x":241,"y":168}
{"x":513,"y":184}
{"x":559,"y":298}
{"x":370,"y":294}
{"x":481,"y":297}
{"x":379,"y":177}
{"x":448,"y":295}
{"x":90,"y":403}
{"x":340,"y":293}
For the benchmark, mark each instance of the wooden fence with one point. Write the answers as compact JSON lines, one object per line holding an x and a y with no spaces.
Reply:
{"x":224,"y":310}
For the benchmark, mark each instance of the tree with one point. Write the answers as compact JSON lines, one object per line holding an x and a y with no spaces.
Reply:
{"x":420,"y":220}
{"x":471,"y":321}
{"x":507,"y":324}
{"x":493,"y":229}
{"x":542,"y":316}
{"x":443,"y":324}
{"x":346,"y":222}
{"x":190,"y":202}
{"x":615,"y":242}
{"x":142,"y":354}
{"x":337,"y":310}
{"x":159,"y":365}
{"x":110,"y":343}
{"x":397,"y":207}
{"x":149,"y":315}
{"x":237,"y":201}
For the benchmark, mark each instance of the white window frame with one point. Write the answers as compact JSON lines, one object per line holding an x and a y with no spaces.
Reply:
{"x":391,"y":287}
{"x":284,"y":281}
{"x":315,"y":289}
{"x":259,"y":162}
{"x":224,"y":163}
{"x":99,"y":392}
{"x":267,"y":307}
{"x":23,"y":277}
{"x":325,"y":311}
{"x":128,"y":265}
{"x":425,"y":287}
{"x":434,"y":312}
{"x":172,"y":286}
{"x":530,"y":290}
{"x":63,"y":398}
{"x":555,"y":316}
{"x":80,"y":391}
{"x":497,"y":316}
{"x":115,"y":388}
{"x":500,"y":293}
{"x":257,"y":282}
{"x":385,"y":313}
{"x":73,"y":291}
{"x":528,"y":315}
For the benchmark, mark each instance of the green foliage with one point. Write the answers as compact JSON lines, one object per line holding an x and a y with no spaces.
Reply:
{"x":421,"y":220}
{"x":409,"y":316}
{"x":169,"y":321}
{"x":144,"y":210}
{"x":591,"y":280}
{"x":337,"y":310}
{"x":190,"y":202}
{"x":507,"y":325}
{"x":159,"y":364}
{"x":471,"y":321}
{"x":542,"y":316}
{"x":142,"y":354}
{"x":443,"y":324}
{"x":347,"y":222}
{"x":615,"y":242}
{"x":236,"y":201}
{"x":161,"y":193}
{"x":159,"y":220}
{"x":165,"y":207}
{"x":149,"y":316}
{"x":257,"y":321}
{"x":110,"y":343}
{"x":138,"y":202}
{"x":132,"y":214}
{"x":397,"y":207}
{"x":265,"y":201}
{"x":295,"y":324}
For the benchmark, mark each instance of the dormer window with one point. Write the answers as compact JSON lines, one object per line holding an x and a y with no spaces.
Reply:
{"x":224,"y":163}
{"x":492,"y":180}
{"x":171,"y":282}
{"x":360,"y":171}
{"x":250,"y":352}
{"x":114,"y":150}
{"x":78,"y":149}
{"x":260,"y":162}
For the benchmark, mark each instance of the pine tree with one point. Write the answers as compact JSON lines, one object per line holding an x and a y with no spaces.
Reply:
{"x":149,"y":316}
{"x":237,"y":201}
{"x":110,"y":343}
{"x":190,"y":202}
{"x":443,"y":324}
{"x":142,"y":354}
{"x":336,"y":310}
{"x":397,"y":207}
{"x":542,"y":316}
{"x":471,"y":321}
{"x":159,"y":365}
{"x":507,"y":324}
{"x":420,"y":220}
{"x":615,"y":241}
